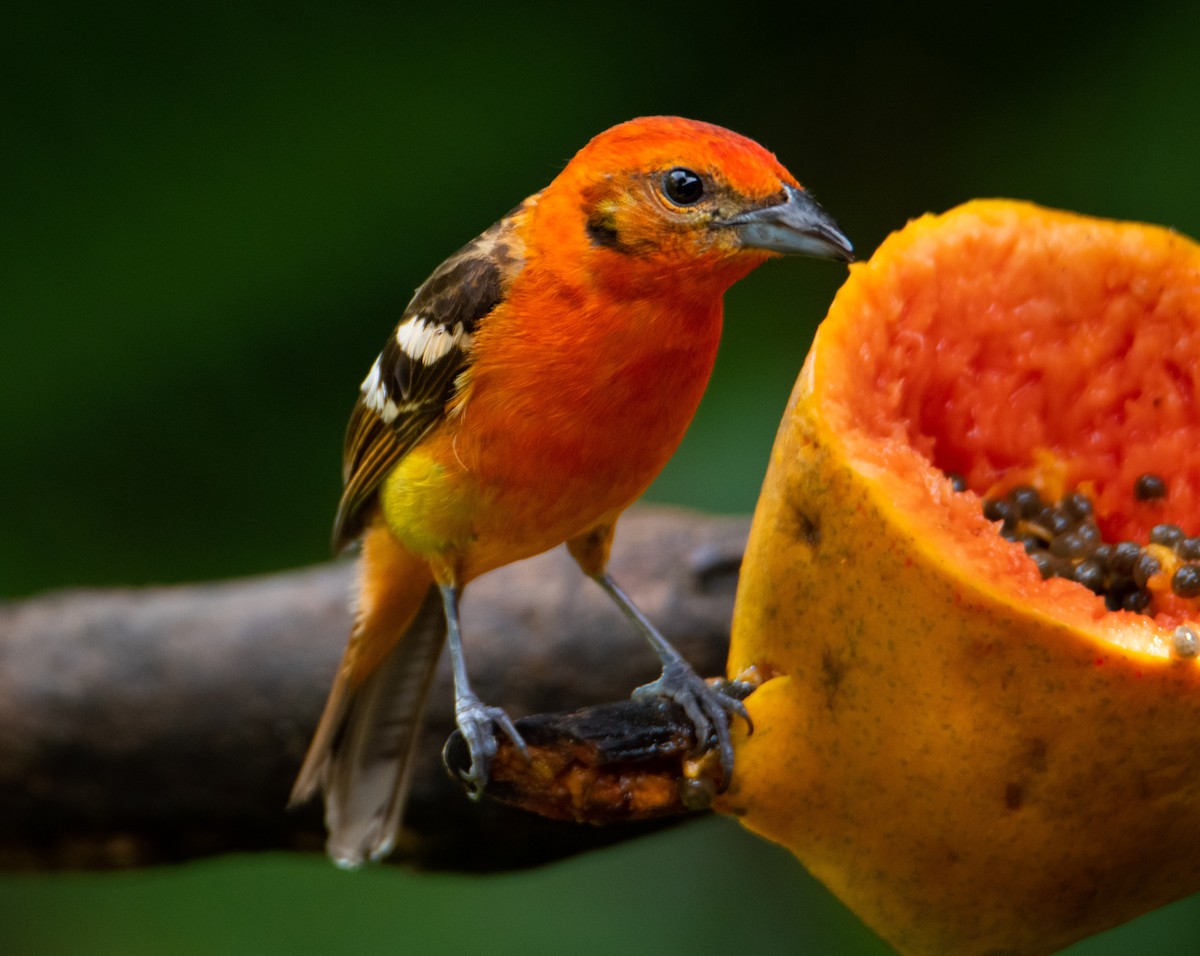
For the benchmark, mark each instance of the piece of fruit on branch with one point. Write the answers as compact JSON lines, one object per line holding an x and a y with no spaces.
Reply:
{"x":982,"y":735}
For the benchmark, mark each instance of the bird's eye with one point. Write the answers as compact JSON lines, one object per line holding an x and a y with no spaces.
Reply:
{"x":683,"y":187}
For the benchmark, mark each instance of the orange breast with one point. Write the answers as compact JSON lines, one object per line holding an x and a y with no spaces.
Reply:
{"x":568,"y":418}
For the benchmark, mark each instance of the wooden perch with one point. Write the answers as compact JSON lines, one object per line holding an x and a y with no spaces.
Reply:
{"x":160,"y":724}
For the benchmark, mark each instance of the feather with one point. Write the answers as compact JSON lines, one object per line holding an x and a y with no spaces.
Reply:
{"x":422,"y":366}
{"x":367,"y":775}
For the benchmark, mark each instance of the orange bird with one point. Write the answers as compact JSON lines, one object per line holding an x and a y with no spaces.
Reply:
{"x":535,"y":385}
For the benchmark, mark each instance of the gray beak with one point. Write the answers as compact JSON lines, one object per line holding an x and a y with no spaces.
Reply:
{"x":796,"y":226}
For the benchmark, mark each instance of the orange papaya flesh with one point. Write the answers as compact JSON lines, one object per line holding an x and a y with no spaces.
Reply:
{"x":974,"y":759}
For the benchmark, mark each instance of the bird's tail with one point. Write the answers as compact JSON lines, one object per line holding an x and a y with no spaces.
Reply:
{"x":361,"y":754}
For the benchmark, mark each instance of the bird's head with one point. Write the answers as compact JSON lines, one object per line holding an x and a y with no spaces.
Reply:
{"x":672,"y":195}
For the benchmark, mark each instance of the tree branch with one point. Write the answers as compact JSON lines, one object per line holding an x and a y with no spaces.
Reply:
{"x":160,"y":724}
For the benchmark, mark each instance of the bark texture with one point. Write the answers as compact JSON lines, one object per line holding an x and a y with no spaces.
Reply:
{"x":153,"y":725}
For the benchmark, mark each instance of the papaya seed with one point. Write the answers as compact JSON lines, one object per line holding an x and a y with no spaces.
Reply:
{"x":1168,"y":535}
{"x":1137,"y":601}
{"x":1149,"y":487}
{"x":1078,"y":505}
{"x":1027,"y":500}
{"x":1186,"y":581}
{"x":1063,"y":540}
{"x":1184,"y":642}
{"x":1146,"y":566}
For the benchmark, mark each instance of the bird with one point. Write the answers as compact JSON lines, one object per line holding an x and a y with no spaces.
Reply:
{"x":534,"y":386}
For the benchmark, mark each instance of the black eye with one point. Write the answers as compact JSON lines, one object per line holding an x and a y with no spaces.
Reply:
{"x":682,"y":186}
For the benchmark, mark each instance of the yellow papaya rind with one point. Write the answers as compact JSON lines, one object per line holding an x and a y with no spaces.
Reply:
{"x":974,"y":765}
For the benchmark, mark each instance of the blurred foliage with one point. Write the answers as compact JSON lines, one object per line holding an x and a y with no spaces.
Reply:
{"x":213,"y":213}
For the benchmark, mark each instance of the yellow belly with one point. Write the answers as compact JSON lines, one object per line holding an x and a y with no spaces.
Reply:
{"x":465,"y":526}
{"x":430,"y":509}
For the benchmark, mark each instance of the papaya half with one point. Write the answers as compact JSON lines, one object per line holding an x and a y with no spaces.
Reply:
{"x":976,"y":757}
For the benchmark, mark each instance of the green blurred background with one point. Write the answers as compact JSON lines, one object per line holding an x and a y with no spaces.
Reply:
{"x":213,"y":213}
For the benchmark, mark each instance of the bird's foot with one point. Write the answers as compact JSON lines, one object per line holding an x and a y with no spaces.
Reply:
{"x":709,"y":708}
{"x":478,"y":722}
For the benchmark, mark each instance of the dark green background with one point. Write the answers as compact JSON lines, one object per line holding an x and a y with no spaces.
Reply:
{"x":213,"y":213}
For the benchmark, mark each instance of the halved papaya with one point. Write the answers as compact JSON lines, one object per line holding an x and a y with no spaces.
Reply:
{"x":974,"y":758}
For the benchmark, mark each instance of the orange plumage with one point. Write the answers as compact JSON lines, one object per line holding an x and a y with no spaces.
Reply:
{"x":535,"y":386}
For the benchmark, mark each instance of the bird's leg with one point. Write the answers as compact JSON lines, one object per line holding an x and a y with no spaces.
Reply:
{"x":709,"y":708}
{"x":474,"y":718}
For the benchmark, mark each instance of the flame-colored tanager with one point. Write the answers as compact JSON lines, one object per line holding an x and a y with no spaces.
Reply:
{"x":535,"y":385}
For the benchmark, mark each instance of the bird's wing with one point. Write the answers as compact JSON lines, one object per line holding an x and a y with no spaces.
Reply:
{"x":406,"y":392}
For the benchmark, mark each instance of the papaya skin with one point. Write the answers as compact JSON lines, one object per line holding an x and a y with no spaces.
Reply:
{"x":974,"y":760}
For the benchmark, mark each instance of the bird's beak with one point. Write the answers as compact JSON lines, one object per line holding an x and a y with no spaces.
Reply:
{"x":796,"y":226}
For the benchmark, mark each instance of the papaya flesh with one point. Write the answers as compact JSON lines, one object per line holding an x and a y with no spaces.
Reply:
{"x":974,"y":759}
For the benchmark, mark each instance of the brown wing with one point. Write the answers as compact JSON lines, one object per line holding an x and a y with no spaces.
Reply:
{"x":405,"y":394}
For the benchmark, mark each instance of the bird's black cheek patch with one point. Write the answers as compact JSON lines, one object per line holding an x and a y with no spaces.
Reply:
{"x":601,"y":231}
{"x":637,"y":235}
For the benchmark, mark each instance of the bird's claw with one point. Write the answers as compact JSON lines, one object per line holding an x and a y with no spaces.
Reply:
{"x":709,"y":708}
{"x":478,"y":722}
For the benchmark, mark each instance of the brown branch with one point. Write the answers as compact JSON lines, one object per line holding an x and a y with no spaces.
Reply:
{"x":159,"y":724}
